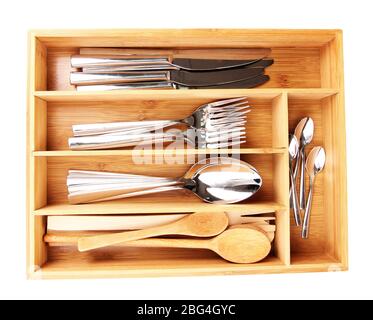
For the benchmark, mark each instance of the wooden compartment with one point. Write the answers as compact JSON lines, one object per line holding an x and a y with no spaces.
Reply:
{"x":58,"y":118}
{"x":293,"y":68}
{"x":306,"y":80}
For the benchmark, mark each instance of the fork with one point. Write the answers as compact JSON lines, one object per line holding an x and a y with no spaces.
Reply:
{"x":215,"y":125}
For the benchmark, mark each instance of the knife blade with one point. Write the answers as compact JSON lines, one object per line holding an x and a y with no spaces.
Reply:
{"x":243,"y":84}
{"x":179,"y":77}
{"x":83,"y":61}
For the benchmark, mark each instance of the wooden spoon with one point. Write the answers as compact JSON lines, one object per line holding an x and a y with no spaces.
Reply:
{"x":239,"y":245}
{"x":200,"y":224}
{"x":267,"y":229}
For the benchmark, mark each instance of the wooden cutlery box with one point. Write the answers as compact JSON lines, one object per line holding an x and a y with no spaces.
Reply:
{"x":306,"y":79}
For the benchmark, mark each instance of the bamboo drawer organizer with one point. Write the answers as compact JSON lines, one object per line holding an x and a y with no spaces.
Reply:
{"x":306,"y":80}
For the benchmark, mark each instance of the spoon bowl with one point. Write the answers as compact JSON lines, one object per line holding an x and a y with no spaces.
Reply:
{"x":241,"y":245}
{"x":315,"y":161}
{"x":223,"y":180}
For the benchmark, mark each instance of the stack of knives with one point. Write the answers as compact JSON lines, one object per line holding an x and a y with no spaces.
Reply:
{"x":115,"y":72}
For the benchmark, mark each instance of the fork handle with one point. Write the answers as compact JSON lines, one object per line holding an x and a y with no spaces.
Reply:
{"x":110,"y":141}
{"x":116,"y":127}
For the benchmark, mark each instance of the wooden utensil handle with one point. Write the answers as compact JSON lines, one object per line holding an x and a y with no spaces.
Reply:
{"x":105,"y":240}
{"x":55,"y":238}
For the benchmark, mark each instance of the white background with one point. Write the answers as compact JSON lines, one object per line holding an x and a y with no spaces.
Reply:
{"x":354,"y":17}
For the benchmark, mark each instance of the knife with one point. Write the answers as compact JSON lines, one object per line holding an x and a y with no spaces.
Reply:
{"x":243,"y":84}
{"x":84,"y":61}
{"x":178,"y":77}
{"x":263,"y":63}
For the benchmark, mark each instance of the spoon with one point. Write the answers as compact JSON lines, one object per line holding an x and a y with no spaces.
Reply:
{"x":239,"y":245}
{"x":298,"y":134}
{"x":199,"y":224}
{"x":306,"y":136}
{"x":315,"y":164}
{"x":219,"y":180}
{"x":268,"y":229}
{"x":293,"y":153}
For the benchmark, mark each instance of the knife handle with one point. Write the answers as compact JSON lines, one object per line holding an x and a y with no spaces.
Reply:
{"x":80,"y":78}
{"x":81,"y":61}
{"x":128,"y":86}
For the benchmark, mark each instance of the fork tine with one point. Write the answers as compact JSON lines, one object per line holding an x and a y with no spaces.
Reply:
{"x":229,"y":111}
{"x":229,"y":115}
{"x":226,"y":101}
{"x":230,"y":106}
{"x":219,"y":121}
{"x":234,"y":114}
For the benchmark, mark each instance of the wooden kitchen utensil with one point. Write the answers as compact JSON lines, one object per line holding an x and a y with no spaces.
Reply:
{"x":266,"y":228}
{"x":199,"y":224}
{"x":239,"y":245}
{"x":136,"y":222}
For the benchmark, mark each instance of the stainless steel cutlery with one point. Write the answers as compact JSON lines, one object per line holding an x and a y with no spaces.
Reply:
{"x":177,"y":77}
{"x":219,"y":124}
{"x":220,"y":180}
{"x":95,"y":61}
{"x":111,"y":72}
{"x":305,"y":134}
{"x":293,"y":154}
{"x":246,"y":84}
{"x":315,"y":163}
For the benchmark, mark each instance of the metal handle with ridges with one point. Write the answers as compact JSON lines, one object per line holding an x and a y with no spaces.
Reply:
{"x":109,"y":141}
{"x":128,"y":86}
{"x":129,"y":127}
{"x":81,"y":78}
{"x":81,"y":61}
{"x":307,"y":214}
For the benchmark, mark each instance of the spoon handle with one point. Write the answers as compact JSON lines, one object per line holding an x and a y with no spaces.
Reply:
{"x":105,"y":240}
{"x":295,"y":174}
{"x":302,"y":188}
{"x":102,"y":187}
{"x":307,"y":215}
{"x":56,"y":239}
{"x":294,"y":198}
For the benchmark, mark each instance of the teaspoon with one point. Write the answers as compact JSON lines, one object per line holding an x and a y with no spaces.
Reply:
{"x":293,"y":153}
{"x":306,"y":136}
{"x":315,"y":164}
